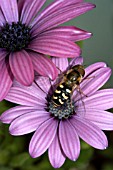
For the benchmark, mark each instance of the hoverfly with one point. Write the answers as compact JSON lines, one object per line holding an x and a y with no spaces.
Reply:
{"x":70,"y":81}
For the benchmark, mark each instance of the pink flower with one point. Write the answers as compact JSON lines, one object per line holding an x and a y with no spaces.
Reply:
{"x":61,"y":136}
{"x":25,"y":38}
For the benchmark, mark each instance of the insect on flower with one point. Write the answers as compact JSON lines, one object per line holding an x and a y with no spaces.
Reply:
{"x":70,"y":81}
{"x":52,"y":131}
{"x":62,"y":95}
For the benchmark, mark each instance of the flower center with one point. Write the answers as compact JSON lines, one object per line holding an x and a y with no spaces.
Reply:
{"x":15,"y":36}
{"x":64,"y":111}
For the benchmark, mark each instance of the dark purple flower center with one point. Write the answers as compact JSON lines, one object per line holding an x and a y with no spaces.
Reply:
{"x":15,"y":36}
{"x":64,"y":111}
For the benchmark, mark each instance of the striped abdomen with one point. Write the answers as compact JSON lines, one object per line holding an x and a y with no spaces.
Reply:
{"x":61,"y":94}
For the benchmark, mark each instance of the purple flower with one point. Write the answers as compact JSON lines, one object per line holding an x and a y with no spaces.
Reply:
{"x":26,"y":38}
{"x":61,"y":136}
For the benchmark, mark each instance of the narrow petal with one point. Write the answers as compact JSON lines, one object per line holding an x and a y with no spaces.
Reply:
{"x":43,"y":138}
{"x":99,"y":78}
{"x":56,"y":155}
{"x":102,"y":99}
{"x":9,"y":115}
{"x":24,"y":97}
{"x":92,"y":83}
{"x":90,"y":74}
{"x":45,"y":12}
{"x":44,"y":83}
{"x":62,"y":15}
{"x":90,"y":133}
{"x":69,"y":140}
{"x":3,"y":54}
{"x":2,"y":19}
{"x":55,"y":47}
{"x":22,"y":67}
{"x":10,"y":10}
{"x":54,"y":6}
{"x":93,"y":67}
{"x":33,"y":90}
{"x":61,"y":63}
{"x":6,"y":79}
{"x":76,"y":61}
{"x":43,"y":65}
{"x":28,"y":122}
{"x":102,"y":119}
{"x":30,"y":9}
{"x":20,"y":6}
{"x":71,"y":33}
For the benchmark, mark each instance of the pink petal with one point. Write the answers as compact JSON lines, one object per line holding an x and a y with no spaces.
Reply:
{"x":33,"y":90}
{"x":76,"y":61}
{"x":46,"y":11}
{"x":93,"y":67}
{"x":62,"y":15}
{"x":24,"y":97}
{"x":102,"y":99}
{"x":43,"y":65}
{"x":6,"y":79}
{"x":57,"y":4}
{"x":92,"y":83}
{"x":56,"y":156}
{"x":54,"y":6}
{"x":99,"y":78}
{"x":55,"y":47}
{"x":90,"y":74}
{"x":9,"y":115}
{"x":69,"y":140}
{"x":2,"y":19}
{"x":61,"y":63}
{"x":22,"y":68}
{"x":3,"y":54}
{"x":28,"y":122}
{"x":71,"y":33}
{"x":43,"y":138}
{"x":30,"y":9}
{"x":10,"y":10}
{"x":89,"y":132}
{"x":44,"y":83}
{"x":20,"y":6}
{"x":102,"y":119}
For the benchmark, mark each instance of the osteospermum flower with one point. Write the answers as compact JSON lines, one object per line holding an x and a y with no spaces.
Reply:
{"x":60,"y":134}
{"x":27,"y":35}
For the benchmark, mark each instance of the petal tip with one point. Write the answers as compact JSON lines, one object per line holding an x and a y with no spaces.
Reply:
{"x":3,"y":119}
{"x":90,"y":34}
{"x":27,"y":83}
{"x":12,"y":131}
{"x":94,"y":6}
{"x":32,"y":154}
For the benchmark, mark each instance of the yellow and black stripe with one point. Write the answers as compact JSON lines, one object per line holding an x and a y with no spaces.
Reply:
{"x":61,"y":94}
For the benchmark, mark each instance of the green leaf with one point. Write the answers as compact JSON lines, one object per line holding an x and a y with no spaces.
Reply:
{"x":4,"y":157}
{"x":5,"y":168}
{"x":19,"y":160}
{"x":80,"y":44}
